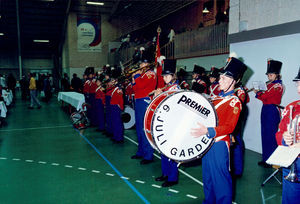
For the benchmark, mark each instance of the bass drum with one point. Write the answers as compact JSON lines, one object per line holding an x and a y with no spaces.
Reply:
{"x":128,"y":117}
{"x":150,"y":113}
{"x":172,"y":122}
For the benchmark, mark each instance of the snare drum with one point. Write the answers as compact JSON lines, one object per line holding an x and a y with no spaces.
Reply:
{"x":128,"y":117}
{"x":150,"y":113}
{"x":173,"y":116}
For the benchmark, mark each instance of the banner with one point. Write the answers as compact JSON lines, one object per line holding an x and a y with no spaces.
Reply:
{"x":89,"y":33}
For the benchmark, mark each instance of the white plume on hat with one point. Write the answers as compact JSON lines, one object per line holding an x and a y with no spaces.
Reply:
{"x":142,"y":48}
{"x":161,"y":59}
{"x":233,"y":54}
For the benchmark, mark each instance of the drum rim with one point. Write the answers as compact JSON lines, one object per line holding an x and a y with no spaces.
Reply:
{"x":212,"y":140}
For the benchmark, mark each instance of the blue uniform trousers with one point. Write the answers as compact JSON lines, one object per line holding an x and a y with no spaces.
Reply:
{"x":238,"y":155}
{"x":144,"y":148}
{"x":290,"y":191}
{"x":87,"y":100}
{"x":117,"y":124}
{"x":92,"y":109}
{"x":169,"y":168}
{"x":108,"y":119}
{"x":270,"y":118}
{"x":99,"y":114}
{"x":216,"y":176}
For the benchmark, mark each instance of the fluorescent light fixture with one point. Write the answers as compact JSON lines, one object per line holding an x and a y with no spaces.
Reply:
{"x":95,"y":3}
{"x":205,"y":10}
{"x":1,"y":33}
{"x":47,"y":0}
{"x":41,"y":41}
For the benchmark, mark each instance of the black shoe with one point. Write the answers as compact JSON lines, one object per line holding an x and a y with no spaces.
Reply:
{"x":136,"y":157}
{"x":146,"y":161}
{"x":99,"y":130}
{"x":39,"y":107}
{"x":30,"y":107}
{"x":169,"y":183}
{"x":118,"y":141}
{"x":161,"y":178}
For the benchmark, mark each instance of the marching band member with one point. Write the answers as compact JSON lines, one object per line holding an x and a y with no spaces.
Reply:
{"x":215,"y":163}
{"x":87,"y":89}
{"x":238,"y":147}
{"x":108,"y":91}
{"x":169,"y":167}
{"x":182,"y":83}
{"x":93,"y":87}
{"x":129,"y":94}
{"x":199,"y":84}
{"x":99,"y":106}
{"x":214,"y":88}
{"x":143,"y":83}
{"x":270,"y":113}
{"x":116,"y":106}
{"x":285,"y":136}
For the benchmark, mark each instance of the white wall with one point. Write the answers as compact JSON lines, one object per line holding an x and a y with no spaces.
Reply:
{"x":206,"y":62}
{"x":262,"y":13}
{"x":255,"y":54}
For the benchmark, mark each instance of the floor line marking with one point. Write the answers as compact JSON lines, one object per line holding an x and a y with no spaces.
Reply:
{"x":42,"y":162}
{"x":123,"y":177}
{"x":16,"y":159}
{"x":108,"y":174}
{"x":28,"y":160}
{"x":95,"y":171}
{"x":55,"y":164}
{"x":3,"y":158}
{"x":68,"y":166}
{"x":180,"y":170}
{"x":173,"y":191}
{"x":114,"y":168}
{"x":156,"y":186}
{"x":139,"y":181}
{"x":36,"y":128}
{"x":191,"y":196}
{"x":81,"y":168}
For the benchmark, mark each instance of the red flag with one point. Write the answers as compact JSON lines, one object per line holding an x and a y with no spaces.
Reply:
{"x":159,"y":62}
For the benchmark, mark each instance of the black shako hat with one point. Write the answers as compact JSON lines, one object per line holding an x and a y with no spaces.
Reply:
{"x":297,"y":77}
{"x":234,"y":69}
{"x":116,"y":72}
{"x":169,"y":66}
{"x":181,"y":72}
{"x":274,"y":67}
{"x":215,"y":72}
{"x":89,"y":70}
{"x":198,"y":69}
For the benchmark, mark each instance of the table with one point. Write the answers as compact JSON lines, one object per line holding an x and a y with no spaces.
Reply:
{"x":3,"y":109}
{"x":73,"y":98}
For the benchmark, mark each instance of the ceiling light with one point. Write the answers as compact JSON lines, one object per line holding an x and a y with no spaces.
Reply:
{"x":41,"y":41}
{"x":1,"y":33}
{"x":205,"y":10}
{"x":95,"y":3}
{"x":48,"y":0}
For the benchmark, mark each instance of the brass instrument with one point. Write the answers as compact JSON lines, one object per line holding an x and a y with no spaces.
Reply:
{"x":292,"y":176}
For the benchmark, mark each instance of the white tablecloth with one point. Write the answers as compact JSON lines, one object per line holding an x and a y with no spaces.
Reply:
{"x":73,"y":98}
{"x":7,"y":96}
{"x":3,"y":109}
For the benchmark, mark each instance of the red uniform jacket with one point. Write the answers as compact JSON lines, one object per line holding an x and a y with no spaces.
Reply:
{"x":129,"y":90}
{"x":144,"y":84}
{"x":93,"y":87}
{"x":273,"y":95}
{"x":242,"y":95}
{"x":214,"y":89}
{"x":171,"y":87}
{"x":184,"y":85}
{"x":117,"y":98}
{"x":285,"y":121}
{"x":99,"y":94}
{"x":86,"y":86}
{"x":228,"y":109}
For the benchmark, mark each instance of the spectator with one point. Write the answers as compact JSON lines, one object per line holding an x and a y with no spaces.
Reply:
{"x":65,"y":83}
{"x":76,"y":83}
{"x":11,"y":84}
{"x":33,"y":93}
{"x":24,"y":87}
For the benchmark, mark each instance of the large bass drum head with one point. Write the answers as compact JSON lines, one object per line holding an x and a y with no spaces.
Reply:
{"x":173,"y":121}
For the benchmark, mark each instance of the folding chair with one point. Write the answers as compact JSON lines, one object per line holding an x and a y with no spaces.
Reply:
{"x":273,"y":175}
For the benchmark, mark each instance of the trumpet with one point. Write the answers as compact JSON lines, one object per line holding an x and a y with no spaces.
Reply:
{"x":292,"y":176}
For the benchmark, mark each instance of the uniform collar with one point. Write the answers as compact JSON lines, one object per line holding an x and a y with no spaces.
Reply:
{"x":277,"y":81}
{"x":226,"y":94}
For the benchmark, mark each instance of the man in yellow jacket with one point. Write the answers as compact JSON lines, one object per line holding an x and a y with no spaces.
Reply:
{"x":33,"y":93}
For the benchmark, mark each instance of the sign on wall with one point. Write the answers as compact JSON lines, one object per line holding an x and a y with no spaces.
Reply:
{"x":89,"y":33}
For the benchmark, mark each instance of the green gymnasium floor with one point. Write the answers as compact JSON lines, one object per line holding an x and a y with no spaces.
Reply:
{"x":44,"y":160}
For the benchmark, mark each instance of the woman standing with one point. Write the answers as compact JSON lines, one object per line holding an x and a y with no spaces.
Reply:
{"x":270,"y":113}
